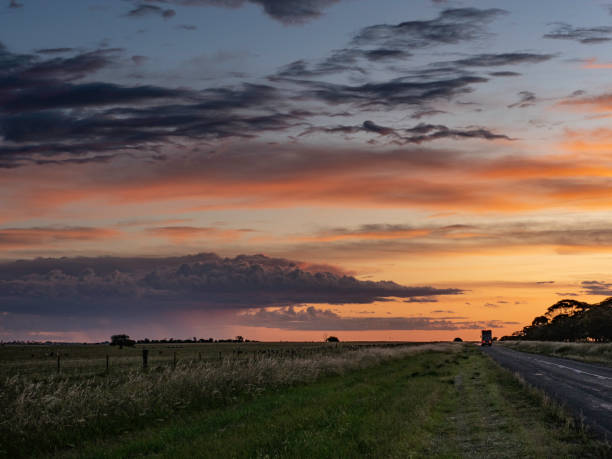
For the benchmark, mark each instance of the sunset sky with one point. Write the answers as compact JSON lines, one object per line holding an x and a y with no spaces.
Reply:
{"x":292,"y":169}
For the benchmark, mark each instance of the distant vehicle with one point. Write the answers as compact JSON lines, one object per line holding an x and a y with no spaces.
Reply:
{"x":486,"y":338}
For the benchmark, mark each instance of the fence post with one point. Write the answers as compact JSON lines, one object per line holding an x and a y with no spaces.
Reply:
{"x":145,"y":358}
{"x":58,"y":362}
{"x":107,"y":363}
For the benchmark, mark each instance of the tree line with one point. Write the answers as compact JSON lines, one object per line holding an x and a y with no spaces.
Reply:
{"x":125,"y":340}
{"x":570,"y":320}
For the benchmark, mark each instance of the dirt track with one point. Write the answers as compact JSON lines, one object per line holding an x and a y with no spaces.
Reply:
{"x":586,"y":389}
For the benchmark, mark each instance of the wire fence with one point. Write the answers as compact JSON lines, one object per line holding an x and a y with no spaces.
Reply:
{"x":97,"y":360}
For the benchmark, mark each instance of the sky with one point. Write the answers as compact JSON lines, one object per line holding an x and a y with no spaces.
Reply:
{"x":295,"y":169}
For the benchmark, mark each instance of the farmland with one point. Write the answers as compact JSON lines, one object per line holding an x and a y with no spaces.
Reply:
{"x":277,"y":400}
{"x":90,"y":359}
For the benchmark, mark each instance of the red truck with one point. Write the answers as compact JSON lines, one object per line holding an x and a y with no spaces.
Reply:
{"x":486,"y":338}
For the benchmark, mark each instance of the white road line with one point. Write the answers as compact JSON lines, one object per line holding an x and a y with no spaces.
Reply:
{"x":575,"y":370}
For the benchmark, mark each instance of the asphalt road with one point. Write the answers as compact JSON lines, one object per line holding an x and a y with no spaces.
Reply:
{"x":585,"y":388}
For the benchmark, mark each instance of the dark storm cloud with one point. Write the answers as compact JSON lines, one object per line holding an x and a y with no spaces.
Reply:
{"x":415,"y":135}
{"x":148,"y":10}
{"x":84,"y":95}
{"x":597,"y":288}
{"x":430,"y":132}
{"x":11,"y":62}
{"x":425,"y":113}
{"x":505,"y":74}
{"x":285,"y":11}
{"x":293,"y":11}
{"x":20,"y":73}
{"x":452,"y":26}
{"x":126,"y":130}
{"x":90,"y":159}
{"x":497,"y":60}
{"x":382,"y":54}
{"x":526,"y":99}
{"x":371,"y":126}
{"x":15,"y":4}
{"x":313,"y":318}
{"x":46,"y":111}
{"x":69,"y":68}
{"x":585,"y":35}
{"x":385,"y":43}
{"x":55,"y":50}
{"x":91,"y":286}
{"x":388,"y":43}
{"x":246,"y":96}
{"x":341,"y":60}
{"x":396,"y":93}
{"x":299,"y":69}
{"x":463,"y":67}
{"x":577,"y":93}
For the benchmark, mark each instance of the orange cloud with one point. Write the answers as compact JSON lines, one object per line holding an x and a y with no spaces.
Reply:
{"x":503,"y":238}
{"x":178,"y":234}
{"x":551,"y":166}
{"x":597,"y":104}
{"x":588,"y":141}
{"x":593,"y":63}
{"x":390,"y":234}
{"x":279,"y":177}
{"x":12,"y":238}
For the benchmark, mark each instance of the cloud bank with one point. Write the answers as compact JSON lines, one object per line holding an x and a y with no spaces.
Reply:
{"x":316,"y":319}
{"x":107,"y":285}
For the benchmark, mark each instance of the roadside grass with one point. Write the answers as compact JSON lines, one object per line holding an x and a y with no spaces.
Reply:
{"x":40,"y":413}
{"x":429,"y":404}
{"x":585,"y":352}
{"x":82,"y":360}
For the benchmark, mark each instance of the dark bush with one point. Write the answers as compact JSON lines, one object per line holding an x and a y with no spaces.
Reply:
{"x":122,"y":340}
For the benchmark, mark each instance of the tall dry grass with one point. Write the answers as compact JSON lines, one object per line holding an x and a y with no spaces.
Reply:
{"x":56,"y":410}
{"x":586,"y":352}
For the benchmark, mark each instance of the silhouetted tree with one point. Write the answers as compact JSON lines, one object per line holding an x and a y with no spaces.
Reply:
{"x":332,"y":339}
{"x":458,"y":340}
{"x":121,"y":340}
{"x":570,"y":320}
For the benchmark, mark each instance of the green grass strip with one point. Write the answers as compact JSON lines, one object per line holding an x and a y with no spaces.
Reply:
{"x":427,"y":405}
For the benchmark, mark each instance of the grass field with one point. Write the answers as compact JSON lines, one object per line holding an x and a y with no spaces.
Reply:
{"x":90,"y":359}
{"x":441,"y":400}
{"x":585,"y":352}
